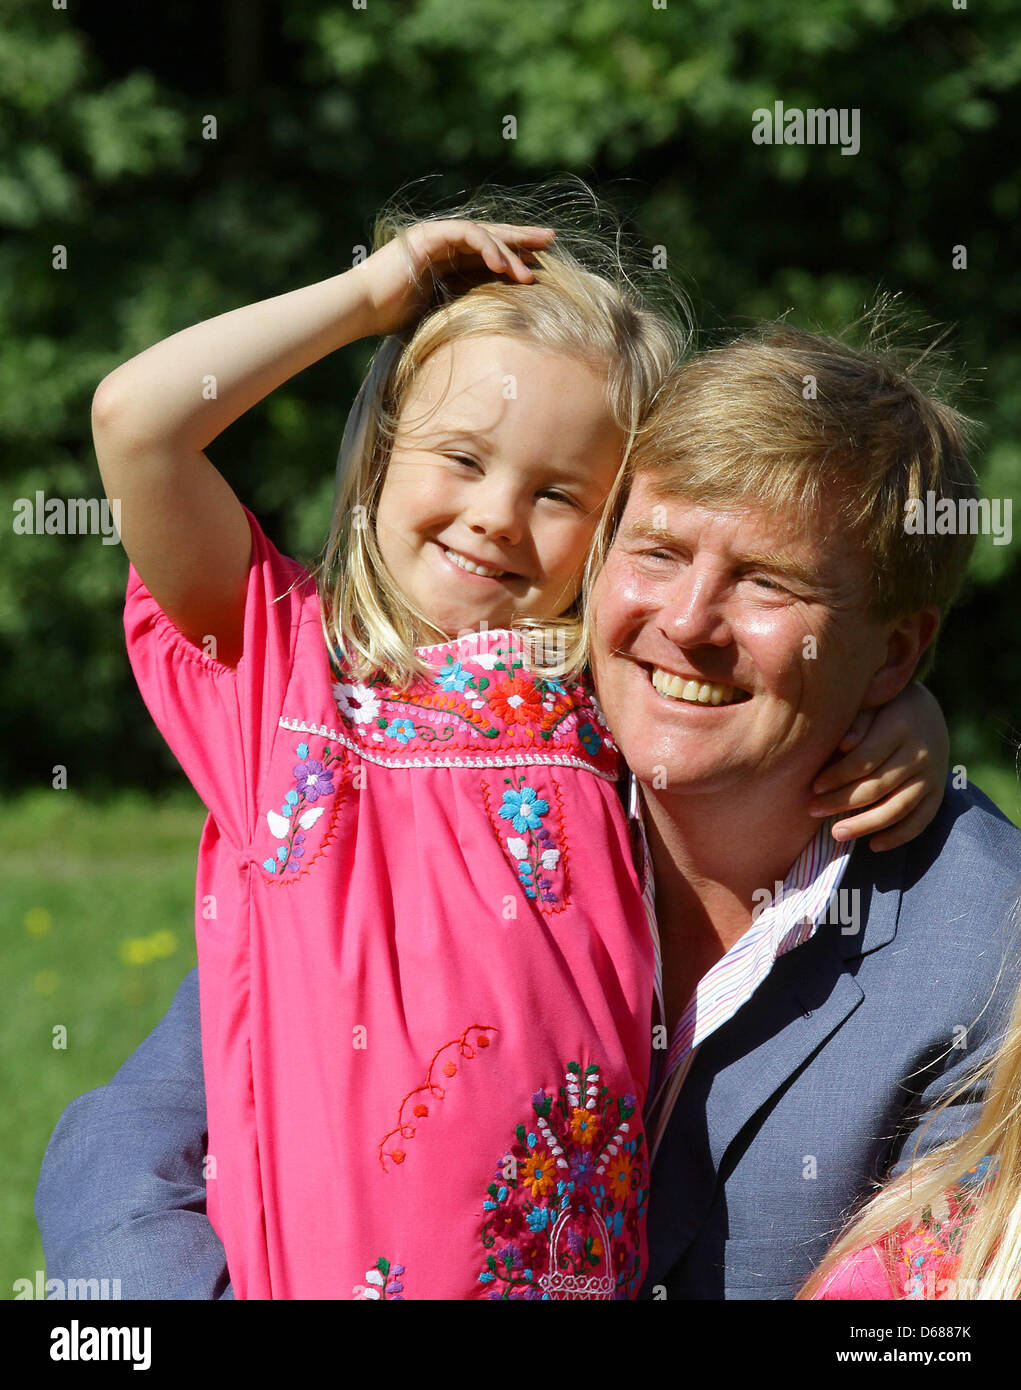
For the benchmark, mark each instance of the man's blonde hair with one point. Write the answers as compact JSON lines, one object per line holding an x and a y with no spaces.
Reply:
{"x":583,"y":303}
{"x":780,"y":418}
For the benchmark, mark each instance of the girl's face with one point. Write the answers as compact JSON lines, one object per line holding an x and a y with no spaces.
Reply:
{"x":504,"y":456}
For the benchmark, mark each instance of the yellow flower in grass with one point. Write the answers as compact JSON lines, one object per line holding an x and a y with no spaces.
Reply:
{"x":37,"y":921}
{"x":134,"y":950}
{"x":584,"y":1125}
{"x":538,"y":1174}
{"x":162,"y":944}
{"x":140,"y":950}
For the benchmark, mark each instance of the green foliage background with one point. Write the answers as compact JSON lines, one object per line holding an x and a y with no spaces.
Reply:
{"x":323,"y":111}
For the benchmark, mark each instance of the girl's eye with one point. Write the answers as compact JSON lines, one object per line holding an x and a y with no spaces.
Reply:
{"x":463,"y":458}
{"x":559,"y":497}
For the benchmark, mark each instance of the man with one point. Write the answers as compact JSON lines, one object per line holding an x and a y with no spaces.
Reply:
{"x":759,"y":588}
{"x":762,"y":549}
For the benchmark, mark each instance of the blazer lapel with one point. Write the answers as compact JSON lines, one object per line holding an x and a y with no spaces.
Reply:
{"x":806,"y":997}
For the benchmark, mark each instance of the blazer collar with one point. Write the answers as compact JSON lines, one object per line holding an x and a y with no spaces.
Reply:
{"x":807,"y":996}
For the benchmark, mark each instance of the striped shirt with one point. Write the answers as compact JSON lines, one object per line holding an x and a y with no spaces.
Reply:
{"x":788,"y":917}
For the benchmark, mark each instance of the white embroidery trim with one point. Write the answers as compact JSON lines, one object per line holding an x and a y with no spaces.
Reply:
{"x":300,"y":726}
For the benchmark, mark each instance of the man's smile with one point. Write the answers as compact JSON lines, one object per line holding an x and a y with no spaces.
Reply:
{"x":692,"y":687}
{"x":699,"y":692}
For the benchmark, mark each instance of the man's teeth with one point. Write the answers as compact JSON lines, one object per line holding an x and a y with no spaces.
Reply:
{"x":696,"y":692}
{"x":471,"y":566}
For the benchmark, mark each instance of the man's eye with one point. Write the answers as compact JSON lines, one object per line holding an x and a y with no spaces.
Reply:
{"x":763,"y":583}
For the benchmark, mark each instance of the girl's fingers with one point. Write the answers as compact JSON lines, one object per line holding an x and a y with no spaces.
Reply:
{"x":512,"y":263}
{"x":907,"y":828}
{"x":851,"y":768}
{"x":492,"y":243}
{"x":895,"y":818}
{"x":859,"y":728}
{"x":502,"y":257}
{"x":520,"y":236}
{"x":866,"y":790}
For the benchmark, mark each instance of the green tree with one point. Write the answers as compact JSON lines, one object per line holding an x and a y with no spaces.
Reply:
{"x":323,"y":110}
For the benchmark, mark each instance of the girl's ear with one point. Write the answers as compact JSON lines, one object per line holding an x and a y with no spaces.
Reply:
{"x":907,"y":640}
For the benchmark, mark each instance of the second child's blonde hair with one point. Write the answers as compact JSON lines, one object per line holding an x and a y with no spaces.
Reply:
{"x":584,"y":304}
{"x":990,"y":1255}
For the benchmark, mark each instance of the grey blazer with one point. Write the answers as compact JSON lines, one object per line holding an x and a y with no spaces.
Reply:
{"x":825,"y":1079}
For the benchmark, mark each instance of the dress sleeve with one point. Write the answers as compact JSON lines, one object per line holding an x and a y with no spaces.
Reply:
{"x":217,"y":721}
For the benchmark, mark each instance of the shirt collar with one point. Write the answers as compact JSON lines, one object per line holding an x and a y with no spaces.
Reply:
{"x":788,"y":914}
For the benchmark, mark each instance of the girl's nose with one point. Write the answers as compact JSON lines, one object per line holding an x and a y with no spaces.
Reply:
{"x":495,"y":511}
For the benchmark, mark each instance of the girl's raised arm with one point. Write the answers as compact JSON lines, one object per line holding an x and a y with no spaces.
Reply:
{"x":181,"y":524}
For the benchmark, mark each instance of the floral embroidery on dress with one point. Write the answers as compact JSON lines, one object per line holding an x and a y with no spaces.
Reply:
{"x":566,"y":1209}
{"x":473,"y":709}
{"x":313,"y":782}
{"x":382,"y":1283}
{"x":530,"y":808}
{"x":406,"y":1127}
{"x":929,"y":1246}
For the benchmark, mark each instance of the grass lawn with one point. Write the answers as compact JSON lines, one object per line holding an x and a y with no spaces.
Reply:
{"x":97,"y":922}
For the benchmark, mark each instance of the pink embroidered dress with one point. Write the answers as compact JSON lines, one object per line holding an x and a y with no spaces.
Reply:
{"x":425,"y":969}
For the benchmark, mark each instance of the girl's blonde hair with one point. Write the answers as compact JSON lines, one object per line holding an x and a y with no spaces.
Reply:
{"x":585,"y":303}
{"x":990,"y":1255}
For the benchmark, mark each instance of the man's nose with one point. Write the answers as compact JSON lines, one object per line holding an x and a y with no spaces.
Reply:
{"x":694,"y":614}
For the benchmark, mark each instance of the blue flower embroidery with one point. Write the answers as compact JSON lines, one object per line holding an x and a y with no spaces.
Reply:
{"x":523,"y":808}
{"x":536,"y":855}
{"x":453,"y":677}
{"x":401,"y":729}
{"x":590,"y":739}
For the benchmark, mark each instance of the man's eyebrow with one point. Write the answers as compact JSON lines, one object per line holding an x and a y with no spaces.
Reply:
{"x":775,"y":562}
{"x":639,"y":530}
{"x":778,"y":563}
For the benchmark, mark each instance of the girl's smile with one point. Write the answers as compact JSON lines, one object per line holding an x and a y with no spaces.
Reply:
{"x":465,"y":564}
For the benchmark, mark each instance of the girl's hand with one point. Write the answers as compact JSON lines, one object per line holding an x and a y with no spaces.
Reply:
{"x":397,"y":279}
{"x":896,"y":765}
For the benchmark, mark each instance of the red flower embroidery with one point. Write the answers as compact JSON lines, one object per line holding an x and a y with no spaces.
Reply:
{"x":516,"y":701}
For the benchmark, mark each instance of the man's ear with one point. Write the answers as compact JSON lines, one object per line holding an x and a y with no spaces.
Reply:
{"x":907,"y":640}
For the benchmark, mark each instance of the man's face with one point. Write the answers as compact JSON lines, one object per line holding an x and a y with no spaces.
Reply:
{"x":733,"y":645}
